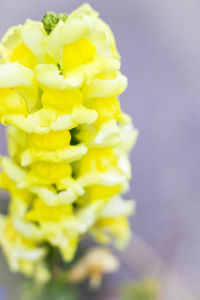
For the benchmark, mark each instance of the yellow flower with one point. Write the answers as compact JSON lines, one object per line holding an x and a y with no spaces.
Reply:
{"x":99,"y":160}
{"x":23,"y":254}
{"x":12,"y":102}
{"x":68,"y":139}
{"x":52,"y":140}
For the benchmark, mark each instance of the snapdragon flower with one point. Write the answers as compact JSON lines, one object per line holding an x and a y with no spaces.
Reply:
{"x":68,"y":139}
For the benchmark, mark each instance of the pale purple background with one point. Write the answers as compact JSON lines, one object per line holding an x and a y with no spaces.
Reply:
{"x":160,"y":46}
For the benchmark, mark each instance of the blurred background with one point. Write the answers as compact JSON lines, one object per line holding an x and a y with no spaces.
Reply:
{"x":159,"y":42}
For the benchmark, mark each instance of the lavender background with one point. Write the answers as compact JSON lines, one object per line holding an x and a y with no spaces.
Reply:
{"x":160,"y":46}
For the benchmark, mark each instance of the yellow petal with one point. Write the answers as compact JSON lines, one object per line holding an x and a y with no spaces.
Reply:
{"x":52,"y":140}
{"x":24,"y":56}
{"x":102,"y":88}
{"x":12,"y":102}
{"x":61,"y":100}
{"x":78,"y":53}
{"x":65,"y":33}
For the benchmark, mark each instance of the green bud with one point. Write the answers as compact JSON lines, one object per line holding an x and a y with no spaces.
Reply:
{"x":63,"y":17}
{"x":51,"y":19}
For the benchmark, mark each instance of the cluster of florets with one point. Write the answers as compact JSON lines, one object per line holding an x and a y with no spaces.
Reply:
{"x":68,"y":139}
